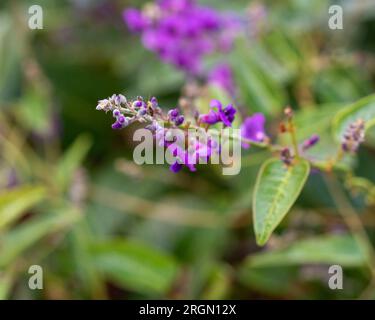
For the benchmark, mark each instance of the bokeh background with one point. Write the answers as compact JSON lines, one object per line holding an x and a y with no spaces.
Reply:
{"x":73,"y":201}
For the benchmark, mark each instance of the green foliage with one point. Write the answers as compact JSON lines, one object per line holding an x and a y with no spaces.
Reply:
{"x":73,"y":201}
{"x":16,"y":241}
{"x":277,"y":188}
{"x":330,"y":249}
{"x":15,"y":203}
{"x":257,"y":88}
{"x":71,"y":160}
{"x":135,"y":266}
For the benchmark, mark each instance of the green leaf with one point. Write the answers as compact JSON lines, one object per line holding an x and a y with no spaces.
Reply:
{"x":363,"y":109}
{"x":15,"y":202}
{"x":34,"y":112}
{"x":10,"y":58}
{"x":72,"y":159}
{"x":80,"y":238}
{"x":135,"y":266}
{"x":273,"y":280}
{"x":276,"y":190}
{"x":328,"y":249}
{"x":15,"y":242}
{"x":341,"y":84}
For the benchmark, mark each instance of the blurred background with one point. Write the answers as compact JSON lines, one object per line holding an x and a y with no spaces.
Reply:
{"x":101,"y":227}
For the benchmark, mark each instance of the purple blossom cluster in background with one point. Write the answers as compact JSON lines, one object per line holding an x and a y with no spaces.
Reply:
{"x":222,"y":76}
{"x":182,"y":32}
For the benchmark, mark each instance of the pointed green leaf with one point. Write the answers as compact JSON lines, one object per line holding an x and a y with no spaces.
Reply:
{"x":14,"y":203}
{"x":363,"y":109}
{"x":276,"y":190}
{"x":72,"y":159}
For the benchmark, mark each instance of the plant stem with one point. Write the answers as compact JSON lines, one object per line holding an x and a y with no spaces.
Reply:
{"x":292,"y":131}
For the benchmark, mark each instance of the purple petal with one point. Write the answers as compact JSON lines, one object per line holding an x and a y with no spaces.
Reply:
{"x":216,"y":104}
{"x":135,"y":20}
{"x":253,"y":128}
{"x":117,"y":125}
{"x":176,"y":167}
{"x":210,"y":118}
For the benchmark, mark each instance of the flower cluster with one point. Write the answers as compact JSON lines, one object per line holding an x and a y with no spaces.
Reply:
{"x":126,"y":112}
{"x":188,"y":153}
{"x":172,"y":131}
{"x":182,"y":32}
{"x":196,"y":152}
{"x":353,"y":136}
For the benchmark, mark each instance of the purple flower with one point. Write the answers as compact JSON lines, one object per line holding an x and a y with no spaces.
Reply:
{"x":222,"y":76}
{"x":121,"y":120}
{"x":139,"y":103}
{"x":117,"y":125}
{"x":179,"y":120}
{"x":175,"y":117}
{"x":173,"y":114}
{"x":211,"y":117}
{"x":309,"y":143}
{"x":175,"y":5}
{"x":253,"y":129}
{"x":225,"y":115}
{"x":135,"y":20}
{"x":154,"y":102}
{"x":176,"y":167}
{"x":116,"y":113}
{"x":182,"y":32}
{"x":197,"y":152}
{"x":182,"y":159}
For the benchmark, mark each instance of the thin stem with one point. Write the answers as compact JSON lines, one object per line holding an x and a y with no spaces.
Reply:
{"x":328,"y":165}
{"x":292,"y":131}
